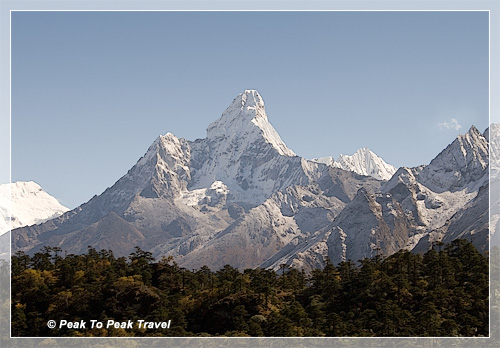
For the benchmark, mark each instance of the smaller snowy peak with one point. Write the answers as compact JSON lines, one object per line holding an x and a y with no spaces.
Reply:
{"x":167,"y":167}
{"x":25,"y":203}
{"x":474,"y":139}
{"x":167,"y":159}
{"x":364,"y":162}
{"x":463,"y":164}
{"x":463,"y":161}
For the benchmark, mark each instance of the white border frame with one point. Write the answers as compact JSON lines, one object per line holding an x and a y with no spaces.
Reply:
{"x":332,"y":340}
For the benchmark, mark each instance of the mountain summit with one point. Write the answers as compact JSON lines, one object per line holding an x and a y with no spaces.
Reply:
{"x":240,"y":196}
{"x":243,"y":150}
{"x":246,"y":119}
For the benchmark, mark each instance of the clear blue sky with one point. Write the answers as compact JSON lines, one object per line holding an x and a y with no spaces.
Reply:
{"x":92,"y":90}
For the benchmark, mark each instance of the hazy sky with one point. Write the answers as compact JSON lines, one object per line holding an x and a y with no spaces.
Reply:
{"x":92,"y":90}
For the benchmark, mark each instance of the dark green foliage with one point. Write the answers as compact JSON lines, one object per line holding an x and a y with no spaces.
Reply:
{"x":441,"y":293}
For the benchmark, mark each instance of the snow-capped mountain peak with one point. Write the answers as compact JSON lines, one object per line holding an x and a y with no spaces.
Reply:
{"x":244,"y":151}
{"x":25,"y":203}
{"x":251,"y":100}
{"x":246,"y":119}
{"x":247,"y":104}
{"x":463,"y":161}
{"x":364,"y":162}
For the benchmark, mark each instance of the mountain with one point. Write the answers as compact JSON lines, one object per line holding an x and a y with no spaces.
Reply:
{"x":240,"y":196}
{"x":364,"y":162}
{"x":182,"y":193}
{"x":244,"y":151}
{"x":442,"y":201}
{"x":24,"y":203}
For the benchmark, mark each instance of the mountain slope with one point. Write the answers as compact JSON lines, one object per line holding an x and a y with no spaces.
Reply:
{"x":371,"y":224}
{"x":287,"y":218}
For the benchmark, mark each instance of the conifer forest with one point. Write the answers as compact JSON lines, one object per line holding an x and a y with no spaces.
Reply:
{"x":443,"y":292}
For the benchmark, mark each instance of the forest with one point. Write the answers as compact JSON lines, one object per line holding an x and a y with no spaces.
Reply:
{"x":443,"y":292}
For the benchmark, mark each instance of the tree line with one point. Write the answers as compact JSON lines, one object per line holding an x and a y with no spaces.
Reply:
{"x":443,"y":292}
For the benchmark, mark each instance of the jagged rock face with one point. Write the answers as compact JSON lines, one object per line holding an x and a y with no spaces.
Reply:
{"x":371,"y":224}
{"x":471,"y":222}
{"x":462,"y":162}
{"x":433,"y":193}
{"x":241,"y":197}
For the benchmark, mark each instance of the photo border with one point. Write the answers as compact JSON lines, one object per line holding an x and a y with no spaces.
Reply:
{"x":6,"y":7}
